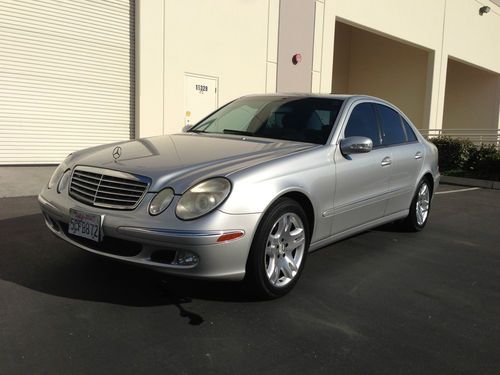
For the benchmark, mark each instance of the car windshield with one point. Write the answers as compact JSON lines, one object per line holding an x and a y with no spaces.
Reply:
{"x":286,"y":118}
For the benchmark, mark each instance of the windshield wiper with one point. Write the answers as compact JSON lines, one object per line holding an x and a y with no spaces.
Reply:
{"x":238,"y":132}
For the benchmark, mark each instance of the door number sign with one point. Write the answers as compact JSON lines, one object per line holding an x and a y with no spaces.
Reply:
{"x":201,"y":88}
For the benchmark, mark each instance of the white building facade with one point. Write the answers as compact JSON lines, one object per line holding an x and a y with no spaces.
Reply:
{"x":76,"y":73}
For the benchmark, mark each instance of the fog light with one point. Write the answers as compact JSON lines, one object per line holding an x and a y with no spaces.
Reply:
{"x":185,"y":258}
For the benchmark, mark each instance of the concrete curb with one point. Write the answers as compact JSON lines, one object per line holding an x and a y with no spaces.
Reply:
{"x":485,"y":184}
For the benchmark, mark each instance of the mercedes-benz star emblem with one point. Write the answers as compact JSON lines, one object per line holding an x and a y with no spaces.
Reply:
{"x":117,"y":152}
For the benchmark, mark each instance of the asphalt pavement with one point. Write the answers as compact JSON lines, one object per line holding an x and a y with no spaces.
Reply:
{"x":382,"y":302}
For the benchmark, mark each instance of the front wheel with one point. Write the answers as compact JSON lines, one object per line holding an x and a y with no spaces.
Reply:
{"x":420,"y":208}
{"x":279,"y":249}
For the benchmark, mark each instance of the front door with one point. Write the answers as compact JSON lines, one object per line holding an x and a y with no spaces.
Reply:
{"x":361,"y":180}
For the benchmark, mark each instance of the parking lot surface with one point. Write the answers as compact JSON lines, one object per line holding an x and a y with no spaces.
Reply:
{"x":382,"y":302}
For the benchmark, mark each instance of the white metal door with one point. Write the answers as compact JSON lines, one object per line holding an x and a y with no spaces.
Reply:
{"x":200,"y":97}
{"x":66,"y":77}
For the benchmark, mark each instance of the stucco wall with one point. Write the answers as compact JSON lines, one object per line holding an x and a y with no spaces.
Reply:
{"x":443,"y":27}
{"x":237,"y":41}
{"x":366,"y":63}
{"x":471,"y":37}
{"x":342,"y":58}
{"x":234,"y":41}
{"x":471,"y":99}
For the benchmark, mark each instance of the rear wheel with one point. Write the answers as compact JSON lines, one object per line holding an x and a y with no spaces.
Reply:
{"x":279,"y":249}
{"x":420,"y":208}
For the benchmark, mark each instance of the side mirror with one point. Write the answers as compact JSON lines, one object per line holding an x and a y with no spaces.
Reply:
{"x":186,"y":128}
{"x":355,"y":145}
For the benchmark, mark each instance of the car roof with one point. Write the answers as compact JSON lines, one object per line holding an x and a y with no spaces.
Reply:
{"x":344,"y":97}
{"x":326,"y":96}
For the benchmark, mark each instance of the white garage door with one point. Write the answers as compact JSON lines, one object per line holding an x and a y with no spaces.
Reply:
{"x":66,"y":77}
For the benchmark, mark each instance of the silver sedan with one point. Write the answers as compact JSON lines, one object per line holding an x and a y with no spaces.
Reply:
{"x":249,"y":191}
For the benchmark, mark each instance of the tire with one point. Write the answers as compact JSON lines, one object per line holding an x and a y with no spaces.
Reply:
{"x":279,"y":250}
{"x":420,"y":208}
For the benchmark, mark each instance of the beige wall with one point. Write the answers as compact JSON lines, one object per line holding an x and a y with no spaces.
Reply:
{"x":235,"y":41}
{"x":366,"y":63}
{"x":471,"y":99}
{"x":471,"y":37}
{"x":446,"y":28}
{"x":342,"y":58}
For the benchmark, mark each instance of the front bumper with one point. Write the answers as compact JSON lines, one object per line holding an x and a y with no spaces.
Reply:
{"x":157,"y":242}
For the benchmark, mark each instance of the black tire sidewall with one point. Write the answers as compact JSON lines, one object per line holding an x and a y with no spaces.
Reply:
{"x":256,"y":272}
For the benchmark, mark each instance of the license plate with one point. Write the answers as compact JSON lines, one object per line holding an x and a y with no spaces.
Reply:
{"x":85,"y":225}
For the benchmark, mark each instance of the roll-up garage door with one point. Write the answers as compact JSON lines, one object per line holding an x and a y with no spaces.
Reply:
{"x":66,"y":77}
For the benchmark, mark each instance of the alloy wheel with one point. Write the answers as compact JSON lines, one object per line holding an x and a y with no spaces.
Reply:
{"x":422,"y":204}
{"x":284,"y":249}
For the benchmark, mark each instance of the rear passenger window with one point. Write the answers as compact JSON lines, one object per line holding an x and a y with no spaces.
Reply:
{"x":410,"y":134}
{"x":363,"y":122}
{"x":390,"y":124}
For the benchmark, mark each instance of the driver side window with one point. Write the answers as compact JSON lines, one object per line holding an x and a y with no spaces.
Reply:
{"x":363,"y":122}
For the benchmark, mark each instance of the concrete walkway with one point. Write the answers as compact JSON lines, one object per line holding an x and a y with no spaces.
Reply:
{"x":21,"y":181}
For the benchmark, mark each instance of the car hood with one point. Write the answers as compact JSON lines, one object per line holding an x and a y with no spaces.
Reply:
{"x":180,"y":160}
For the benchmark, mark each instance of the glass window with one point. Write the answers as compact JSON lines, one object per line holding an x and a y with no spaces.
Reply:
{"x":410,"y":134}
{"x":289,"y":118}
{"x":238,"y":119}
{"x":363,"y":122}
{"x":390,"y":124}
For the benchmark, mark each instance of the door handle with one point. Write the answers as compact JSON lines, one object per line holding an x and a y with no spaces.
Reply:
{"x":418,"y":155}
{"x":386,"y":161}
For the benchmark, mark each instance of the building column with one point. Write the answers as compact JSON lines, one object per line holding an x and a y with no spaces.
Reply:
{"x":273,"y":20}
{"x":295,"y":47}
{"x":149,"y":68}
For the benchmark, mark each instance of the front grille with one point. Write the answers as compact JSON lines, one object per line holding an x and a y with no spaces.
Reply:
{"x":107,"y":188}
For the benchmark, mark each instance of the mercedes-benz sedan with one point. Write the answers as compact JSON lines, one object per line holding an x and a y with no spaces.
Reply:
{"x":249,"y":191}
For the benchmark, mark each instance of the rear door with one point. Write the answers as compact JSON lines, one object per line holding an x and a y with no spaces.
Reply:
{"x":361,"y":180}
{"x":407,"y":156}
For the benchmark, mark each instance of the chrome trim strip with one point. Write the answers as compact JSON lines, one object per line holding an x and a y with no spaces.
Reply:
{"x":112,"y":172}
{"x":115,"y":199}
{"x":365,"y":201}
{"x":131,"y":184}
{"x":84,"y":181}
{"x":328,"y":212}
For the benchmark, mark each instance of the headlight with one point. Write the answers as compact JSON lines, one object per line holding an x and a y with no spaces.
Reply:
{"x":63,"y":182}
{"x":161,"y":201}
{"x":203,"y":198}
{"x":56,"y":176}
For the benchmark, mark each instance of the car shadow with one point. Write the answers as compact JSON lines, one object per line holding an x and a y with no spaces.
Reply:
{"x":34,"y":258}
{"x":395,"y":227}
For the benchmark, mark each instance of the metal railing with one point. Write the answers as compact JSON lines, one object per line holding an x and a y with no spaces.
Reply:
{"x":476,"y":136}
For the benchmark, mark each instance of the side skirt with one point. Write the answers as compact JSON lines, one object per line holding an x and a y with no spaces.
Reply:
{"x":350,"y":232}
